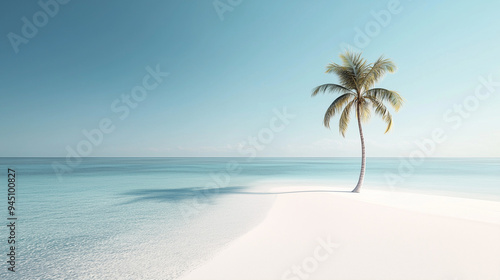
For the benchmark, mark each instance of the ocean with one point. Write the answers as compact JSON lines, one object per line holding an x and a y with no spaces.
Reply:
{"x":157,"y":218}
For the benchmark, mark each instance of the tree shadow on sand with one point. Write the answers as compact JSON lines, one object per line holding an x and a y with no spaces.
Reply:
{"x":207,"y":194}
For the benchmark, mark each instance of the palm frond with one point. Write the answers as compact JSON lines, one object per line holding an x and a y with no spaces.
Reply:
{"x":330,"y":88}
{"x":345,"y":117}
{"x":356,"y":65}
{"x":364,"y":110}
{"x":345,"y":74}
{"x":382,"y":111}
{"x":355,"y":62}
{"x":382,"y":94}
{"x":336,"y":107}
{"x":376,"y":71}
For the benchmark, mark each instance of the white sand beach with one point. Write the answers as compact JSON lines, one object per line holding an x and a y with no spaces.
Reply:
{"x":383,"y":235}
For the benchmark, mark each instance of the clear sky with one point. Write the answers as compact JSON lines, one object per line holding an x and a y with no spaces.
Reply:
{"x":231,"y":64}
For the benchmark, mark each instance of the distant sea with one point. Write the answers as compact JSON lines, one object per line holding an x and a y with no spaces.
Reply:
{"x":157,"y":218}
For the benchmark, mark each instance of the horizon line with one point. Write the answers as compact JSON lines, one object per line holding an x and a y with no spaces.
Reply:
{"x":238,"y":157}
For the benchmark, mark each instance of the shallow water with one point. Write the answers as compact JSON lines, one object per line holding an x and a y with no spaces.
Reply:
{"x":156,"y":218}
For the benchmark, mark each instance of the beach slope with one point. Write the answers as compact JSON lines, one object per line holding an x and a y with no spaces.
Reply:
{"x":317,"y":233}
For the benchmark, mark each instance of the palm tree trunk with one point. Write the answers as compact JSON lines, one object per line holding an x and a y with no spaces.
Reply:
{"x":363,"y":156}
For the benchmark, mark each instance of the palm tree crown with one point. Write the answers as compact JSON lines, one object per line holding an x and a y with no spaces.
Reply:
{"x":357,"y":78}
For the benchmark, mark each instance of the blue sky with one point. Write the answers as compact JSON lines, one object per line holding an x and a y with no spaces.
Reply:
{"x":230,"y":70}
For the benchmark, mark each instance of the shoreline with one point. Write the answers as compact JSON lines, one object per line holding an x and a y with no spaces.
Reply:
{"x":324,"y":233}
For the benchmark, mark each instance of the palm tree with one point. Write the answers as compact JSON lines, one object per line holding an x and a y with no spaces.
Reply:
{"x":357,"y":80}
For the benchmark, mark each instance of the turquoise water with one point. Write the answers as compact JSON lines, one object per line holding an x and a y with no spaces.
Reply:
{"x":156,"y":218}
